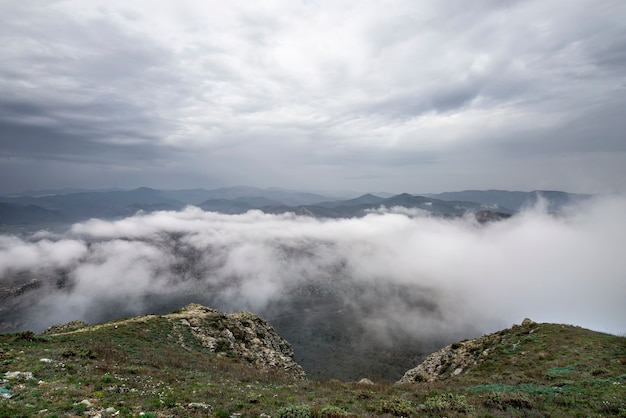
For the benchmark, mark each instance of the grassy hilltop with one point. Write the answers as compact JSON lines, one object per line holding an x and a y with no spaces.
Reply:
{"x":201,"y":362}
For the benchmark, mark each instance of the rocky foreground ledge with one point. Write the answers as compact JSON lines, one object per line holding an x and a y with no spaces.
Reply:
{"x":241,"y":335}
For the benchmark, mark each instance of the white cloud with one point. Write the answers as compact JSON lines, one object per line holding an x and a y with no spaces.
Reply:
{"x":16,"y":254}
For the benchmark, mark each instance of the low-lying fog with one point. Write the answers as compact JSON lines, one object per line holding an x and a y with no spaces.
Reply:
{"x":405,"y":273}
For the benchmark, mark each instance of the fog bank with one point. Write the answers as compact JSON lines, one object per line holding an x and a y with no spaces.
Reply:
{"x":404,"y":273}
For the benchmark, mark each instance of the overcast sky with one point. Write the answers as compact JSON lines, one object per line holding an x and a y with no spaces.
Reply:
{"x":398,"y":96}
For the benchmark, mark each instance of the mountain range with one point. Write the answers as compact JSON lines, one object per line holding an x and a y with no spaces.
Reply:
{"x":52,"y":207}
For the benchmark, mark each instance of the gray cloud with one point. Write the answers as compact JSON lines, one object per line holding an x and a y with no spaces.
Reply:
{"x":171,"y":88}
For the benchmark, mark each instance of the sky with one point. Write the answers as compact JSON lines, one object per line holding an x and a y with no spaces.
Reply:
{"x":396,"y":96}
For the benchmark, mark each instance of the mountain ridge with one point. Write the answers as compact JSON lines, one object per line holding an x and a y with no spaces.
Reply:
{"x":66,"y":207}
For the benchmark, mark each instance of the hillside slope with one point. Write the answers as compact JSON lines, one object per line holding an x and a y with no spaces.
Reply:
{"x":545,"y":353}
{"x":201,"y":362}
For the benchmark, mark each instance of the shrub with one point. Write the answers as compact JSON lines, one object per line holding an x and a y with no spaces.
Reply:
{"x":294,"y":411}
{"x":88,"y":354}
{"x":330,"y":411}
{"x":397,"y":406}
{"x":446,"y":402}
{"x":68,"y":352}
{"x":503,"y":400}
{"x":220,"y":413}
{"x":599,"y":372}
{"x":24,"y":336}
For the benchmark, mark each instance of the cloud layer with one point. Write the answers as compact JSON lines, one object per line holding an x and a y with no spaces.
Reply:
{"x":401,"y":96}
{"x":406,"y":274}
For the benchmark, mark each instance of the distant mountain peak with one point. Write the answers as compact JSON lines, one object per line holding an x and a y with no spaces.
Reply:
{"x":143,"y":189}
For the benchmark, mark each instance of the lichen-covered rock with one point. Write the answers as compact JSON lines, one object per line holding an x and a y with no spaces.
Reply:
{"x":240,"y":335}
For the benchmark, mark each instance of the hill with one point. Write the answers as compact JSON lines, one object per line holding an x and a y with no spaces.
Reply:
{"x":512,"y":201}
{"x":368,"y":203}
{"x":201,"y":362}
{"x":69,"y":206}
{"x":12,"y":214}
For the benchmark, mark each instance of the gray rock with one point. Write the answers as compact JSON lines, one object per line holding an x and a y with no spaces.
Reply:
{"x":242,"y":335}
{"x":86,"y":403}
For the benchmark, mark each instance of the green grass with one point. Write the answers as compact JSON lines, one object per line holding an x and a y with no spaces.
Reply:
{"x":159,"y":369}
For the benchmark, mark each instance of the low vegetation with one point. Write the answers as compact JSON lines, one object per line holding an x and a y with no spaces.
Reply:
{"x":152,"y":369}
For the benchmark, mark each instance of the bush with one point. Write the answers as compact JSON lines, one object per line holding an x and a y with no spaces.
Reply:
{"x":446,"y":402}
{"x":24,"y":336}
{"x":503,"y":400}
{"x":397,"y":406}
{"x":294,"y":411}
{"x":220,"y":413}
{"x":330,"y":411}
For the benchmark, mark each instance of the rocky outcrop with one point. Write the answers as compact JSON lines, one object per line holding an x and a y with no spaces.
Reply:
{"x":457,"y":358}
{"x":67,"y":327}
{"x":238,"y":335}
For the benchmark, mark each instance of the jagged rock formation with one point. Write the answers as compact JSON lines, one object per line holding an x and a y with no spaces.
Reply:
{"x":241,"y":335}
{"x":457,"y":358}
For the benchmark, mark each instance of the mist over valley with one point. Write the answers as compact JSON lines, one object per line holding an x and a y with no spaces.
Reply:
{"x":361,"y":286}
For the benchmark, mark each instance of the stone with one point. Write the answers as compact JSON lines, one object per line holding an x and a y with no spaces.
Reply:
{"x":5,"y":393}
{"x":18,"y":375}
{"x":365,"y":381}
{"x":86,"y":403}
{"x":199,"y":405}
